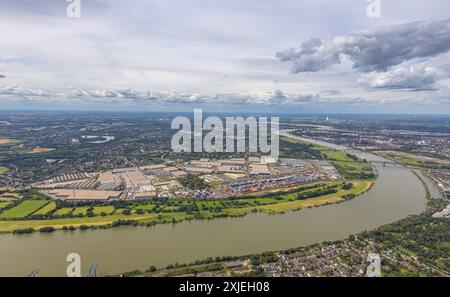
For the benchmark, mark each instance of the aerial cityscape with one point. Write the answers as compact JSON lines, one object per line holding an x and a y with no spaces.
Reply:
{"x":323,"y":150}
{"x":100,"y":172}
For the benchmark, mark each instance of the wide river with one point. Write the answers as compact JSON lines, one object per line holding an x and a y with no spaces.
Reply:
{"x":396,"y":194}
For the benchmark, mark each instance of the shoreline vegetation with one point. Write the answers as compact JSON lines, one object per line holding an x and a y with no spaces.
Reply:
{"x":358,"y":178}
{"x":286,"y":202}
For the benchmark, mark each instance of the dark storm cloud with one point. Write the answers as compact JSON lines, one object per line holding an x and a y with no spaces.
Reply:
{"x":376,"y":50}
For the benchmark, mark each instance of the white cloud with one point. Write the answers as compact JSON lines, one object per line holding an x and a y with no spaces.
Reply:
{"x":16,"y":91}
{"x":372,"y":50}
{"x":415,"y":78}
{"x":147,"y":97}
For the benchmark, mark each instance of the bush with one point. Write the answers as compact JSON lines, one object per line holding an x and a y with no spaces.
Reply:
{"x":151,"y":269}
{"x":124,"y":223}
{"x":47,"y":229}
{"x":23,"y":231}
{"x":347,"y":186}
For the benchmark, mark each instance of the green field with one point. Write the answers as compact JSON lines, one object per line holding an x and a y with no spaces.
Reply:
{"x":209,"y":204}
{"x":145,"y":207}
{"x":80,"y":210}
{"x":119,"y":211}
{"x":8,"y":189}
{"x":178,"y":202}
{"x":9,"y":195}
{"x":170,"y":208}
{"x":109,"y":209}
{"x":334,"y":155}
{"x":46,"y":209}
{"x":63,"y":211}
{"x":23,"y":210}
{"x":3,"y":169}
{"x":353,"y":166}
{"x":359,"y":187}
{"x":36,"y":150}
{"x":326,"y":152}
{"x":354,"y":170}
{"x":9,"y":226}
{"x":3,"y":204}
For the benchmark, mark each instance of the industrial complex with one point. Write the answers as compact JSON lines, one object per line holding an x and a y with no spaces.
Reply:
{"x":224,"y":178}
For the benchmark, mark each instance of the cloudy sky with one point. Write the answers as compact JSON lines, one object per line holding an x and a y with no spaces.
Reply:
{"x":246,"y":55}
